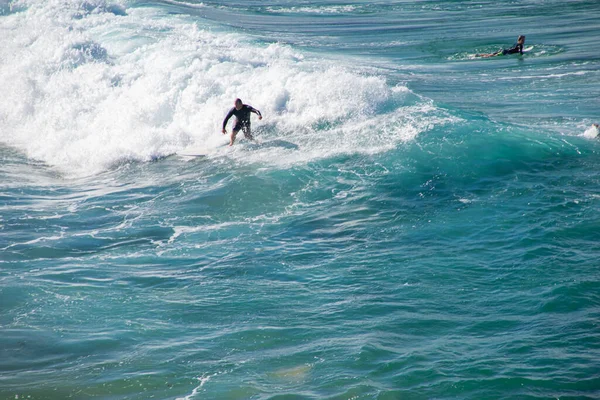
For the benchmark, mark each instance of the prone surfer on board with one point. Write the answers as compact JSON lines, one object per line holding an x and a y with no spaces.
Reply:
{"x":242,"y":115}
{"x":517,"y":48}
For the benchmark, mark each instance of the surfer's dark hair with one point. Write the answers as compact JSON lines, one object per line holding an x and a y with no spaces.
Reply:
{"x":238,"y":101}
{"x":521,"y":37}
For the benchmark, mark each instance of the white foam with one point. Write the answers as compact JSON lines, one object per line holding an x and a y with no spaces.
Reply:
{"x":202,"y":381}
{"x":87,"y":85}
{"x":548,"y":76}
{"x":314,"y":10}
{"x":592,"y":132}
{"x":184,"y":4}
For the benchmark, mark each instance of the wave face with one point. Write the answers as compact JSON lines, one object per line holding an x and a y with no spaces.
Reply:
{"x":91,"y":85}
{"x":413,"y":221}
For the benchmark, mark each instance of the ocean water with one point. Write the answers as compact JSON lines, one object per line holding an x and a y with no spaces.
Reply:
{"x":414,"y":222}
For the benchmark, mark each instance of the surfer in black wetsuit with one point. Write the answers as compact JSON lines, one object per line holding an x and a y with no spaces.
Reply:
{"x":517,"y":48}
{"x":242,"y":115}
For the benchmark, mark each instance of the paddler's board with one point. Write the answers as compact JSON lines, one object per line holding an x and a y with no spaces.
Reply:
{"x":480,"y":55}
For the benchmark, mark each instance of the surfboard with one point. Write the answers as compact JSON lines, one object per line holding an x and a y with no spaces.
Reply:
{"x":200,"y":150}
{"x":485,"y":55}
{"x":194,"y":151}
{"x":192,"y":154}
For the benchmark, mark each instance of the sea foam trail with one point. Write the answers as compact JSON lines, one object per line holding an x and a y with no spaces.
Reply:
{"x":89,"y":85}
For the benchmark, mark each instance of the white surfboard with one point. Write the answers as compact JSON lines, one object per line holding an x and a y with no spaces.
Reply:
{"x":200,"y":152}
{"x":196,"y":151}
{"x":489,"y":55}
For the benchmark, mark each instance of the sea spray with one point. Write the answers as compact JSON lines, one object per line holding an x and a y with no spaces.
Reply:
{"x":89,"y":87}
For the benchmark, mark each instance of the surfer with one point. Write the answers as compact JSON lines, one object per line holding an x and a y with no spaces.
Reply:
{"x":517,"y":48}
{"x":242,"y":115}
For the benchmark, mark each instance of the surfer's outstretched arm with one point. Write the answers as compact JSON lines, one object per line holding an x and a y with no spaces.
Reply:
{"x":229,"y":115}
{"x":255,"y":111}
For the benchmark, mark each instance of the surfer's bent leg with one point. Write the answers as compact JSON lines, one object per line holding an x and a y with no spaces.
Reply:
{"x":247,"y":132}
{"x":232,"y":137}
{"x":234,"y":132}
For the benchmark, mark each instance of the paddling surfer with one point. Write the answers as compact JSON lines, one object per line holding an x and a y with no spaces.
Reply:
{"x":517,"y":48}
{"x":242,"y":122}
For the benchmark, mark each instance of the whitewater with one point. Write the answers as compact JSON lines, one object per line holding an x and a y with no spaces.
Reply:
{"x":413,"y":221}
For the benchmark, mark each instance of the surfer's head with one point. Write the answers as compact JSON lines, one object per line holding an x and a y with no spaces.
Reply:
{"x":521,"y":39}
{"x":238,"y":104}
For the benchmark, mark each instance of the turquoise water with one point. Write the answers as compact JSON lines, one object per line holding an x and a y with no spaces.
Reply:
{"x":414,"y":223}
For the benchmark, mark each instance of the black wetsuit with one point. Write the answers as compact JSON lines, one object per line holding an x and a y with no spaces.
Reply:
{"x":518,"y":48}
{"x":242,"y":118}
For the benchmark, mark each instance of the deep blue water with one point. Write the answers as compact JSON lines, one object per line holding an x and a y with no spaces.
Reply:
{"x":414,"y":222}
